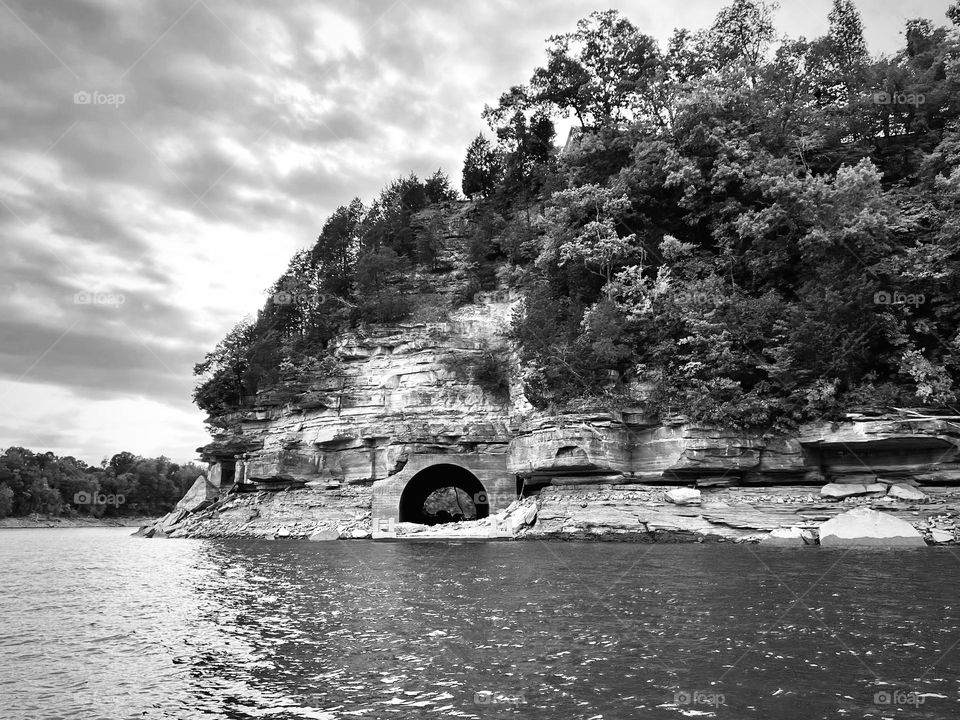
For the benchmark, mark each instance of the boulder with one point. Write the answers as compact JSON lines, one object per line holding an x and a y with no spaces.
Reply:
{"x":172,"y":518}
{"x":530,"y":516}
{"x":360,"y":534}
{"x":876,"y":488}
{"x":200,"y":494}
{"x":784,"y":536}
{"x":683,"y":496}
{"x":840,"y":490}
{"x":324,"y":534}
{"x":906,"y":492}
{"x":866,"y":527}
{"x":941,"y":536}
{"x":283,"y":532}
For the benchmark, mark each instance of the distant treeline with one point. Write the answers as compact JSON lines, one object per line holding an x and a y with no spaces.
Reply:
{"x":126,"y":484}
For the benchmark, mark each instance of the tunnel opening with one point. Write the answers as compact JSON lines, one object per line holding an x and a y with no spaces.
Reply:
{"x":443,"y":493}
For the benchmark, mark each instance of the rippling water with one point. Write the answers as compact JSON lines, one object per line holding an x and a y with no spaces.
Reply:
{"x":96,"y":624}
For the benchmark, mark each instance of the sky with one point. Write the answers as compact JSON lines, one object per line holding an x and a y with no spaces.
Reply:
{"x":160,"y":162}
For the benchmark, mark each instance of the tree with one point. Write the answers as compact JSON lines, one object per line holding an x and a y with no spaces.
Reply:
{"x":741,"y":34}
{"x":598,"y":71}
{"x":481,"y":168}
{"x":336,"y":248}
{"x":582,"y":223}
{"x":438,"y":189}
{"x":6,"y":500}
{"x":953,"y":13}
{"x":223,"y":370}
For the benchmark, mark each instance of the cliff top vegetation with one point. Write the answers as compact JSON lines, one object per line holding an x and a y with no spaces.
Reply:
{"x":755,"y":229}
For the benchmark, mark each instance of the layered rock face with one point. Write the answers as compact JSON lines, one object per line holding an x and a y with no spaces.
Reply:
{"x":404,"y":402}
{"x":396,"y":396}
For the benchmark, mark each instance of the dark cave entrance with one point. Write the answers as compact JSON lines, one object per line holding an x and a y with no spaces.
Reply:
{"x":443,"y":493}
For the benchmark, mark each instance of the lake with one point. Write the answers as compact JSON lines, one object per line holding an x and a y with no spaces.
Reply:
{"x":97,"y":624}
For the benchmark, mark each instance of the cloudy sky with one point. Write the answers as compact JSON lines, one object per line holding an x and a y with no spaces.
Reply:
{"x":161,"y":161}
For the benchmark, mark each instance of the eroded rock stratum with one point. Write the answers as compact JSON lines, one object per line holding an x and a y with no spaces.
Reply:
{"x":334,"y":454}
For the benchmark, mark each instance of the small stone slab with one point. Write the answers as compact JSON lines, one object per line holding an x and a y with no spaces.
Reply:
{"x":841,"y":490}
{"x":906,"y":492}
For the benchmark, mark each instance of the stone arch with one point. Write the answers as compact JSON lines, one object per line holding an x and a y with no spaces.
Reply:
{"x":433,"y":478}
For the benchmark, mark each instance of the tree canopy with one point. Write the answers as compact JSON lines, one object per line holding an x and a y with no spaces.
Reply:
{"x":743,"y":228}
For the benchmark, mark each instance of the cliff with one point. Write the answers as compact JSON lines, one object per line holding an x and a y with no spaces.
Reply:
{"x":342,"y":453}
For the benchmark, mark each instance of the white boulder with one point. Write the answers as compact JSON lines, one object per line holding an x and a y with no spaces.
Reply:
{"x":866,"y":527}
{"x":683,"y":496}
{"x":941,"y":536}
{"x":200,"y":494}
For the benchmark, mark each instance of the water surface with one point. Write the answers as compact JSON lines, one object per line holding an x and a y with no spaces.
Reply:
{"x":96,"y":624}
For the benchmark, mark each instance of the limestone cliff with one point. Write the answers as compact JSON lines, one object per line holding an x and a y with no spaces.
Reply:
{"x":403,"y":406}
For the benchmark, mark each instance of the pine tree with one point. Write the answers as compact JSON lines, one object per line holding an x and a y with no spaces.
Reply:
{"x":480,"y":168}
{"x":847,"y":46}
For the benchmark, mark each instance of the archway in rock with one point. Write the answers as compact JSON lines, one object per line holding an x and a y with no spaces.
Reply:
{"x":443,"y":493}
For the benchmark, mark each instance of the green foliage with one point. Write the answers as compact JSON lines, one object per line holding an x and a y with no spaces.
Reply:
{"x":354,"y":273}
{"x":488,"y":369}
{"x":6,"y":500}
{"x":598,"y":71}
{"x":44,"y":483}
{"x":481,"y":168}
{"x":762,"y":232}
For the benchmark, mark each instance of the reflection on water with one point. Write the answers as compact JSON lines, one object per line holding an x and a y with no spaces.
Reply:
{"x":100,"y":625}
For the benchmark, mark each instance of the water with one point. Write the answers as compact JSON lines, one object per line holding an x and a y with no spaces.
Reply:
{"x":96,"y":624}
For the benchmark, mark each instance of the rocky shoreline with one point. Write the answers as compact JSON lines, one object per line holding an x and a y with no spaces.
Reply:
{"x":45,"y":521}
{"x":783,"y":515}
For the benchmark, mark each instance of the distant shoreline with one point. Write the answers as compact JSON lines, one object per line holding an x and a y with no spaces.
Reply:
{"x":15,"y":523}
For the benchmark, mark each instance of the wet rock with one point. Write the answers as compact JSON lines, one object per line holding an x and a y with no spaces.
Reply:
{"x":941,"y":536}
{"x":172,"y":518}
{"x":784,"y":536}
{"x":200,"y":495}
{"x":530,"y":515}
{"x":324,"y":535}
{"x":866,"y":527}
{"x":906,"y":492}
{"x":683,"y":496}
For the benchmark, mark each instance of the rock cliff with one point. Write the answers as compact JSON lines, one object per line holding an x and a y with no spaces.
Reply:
{"x":334,"y":452}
